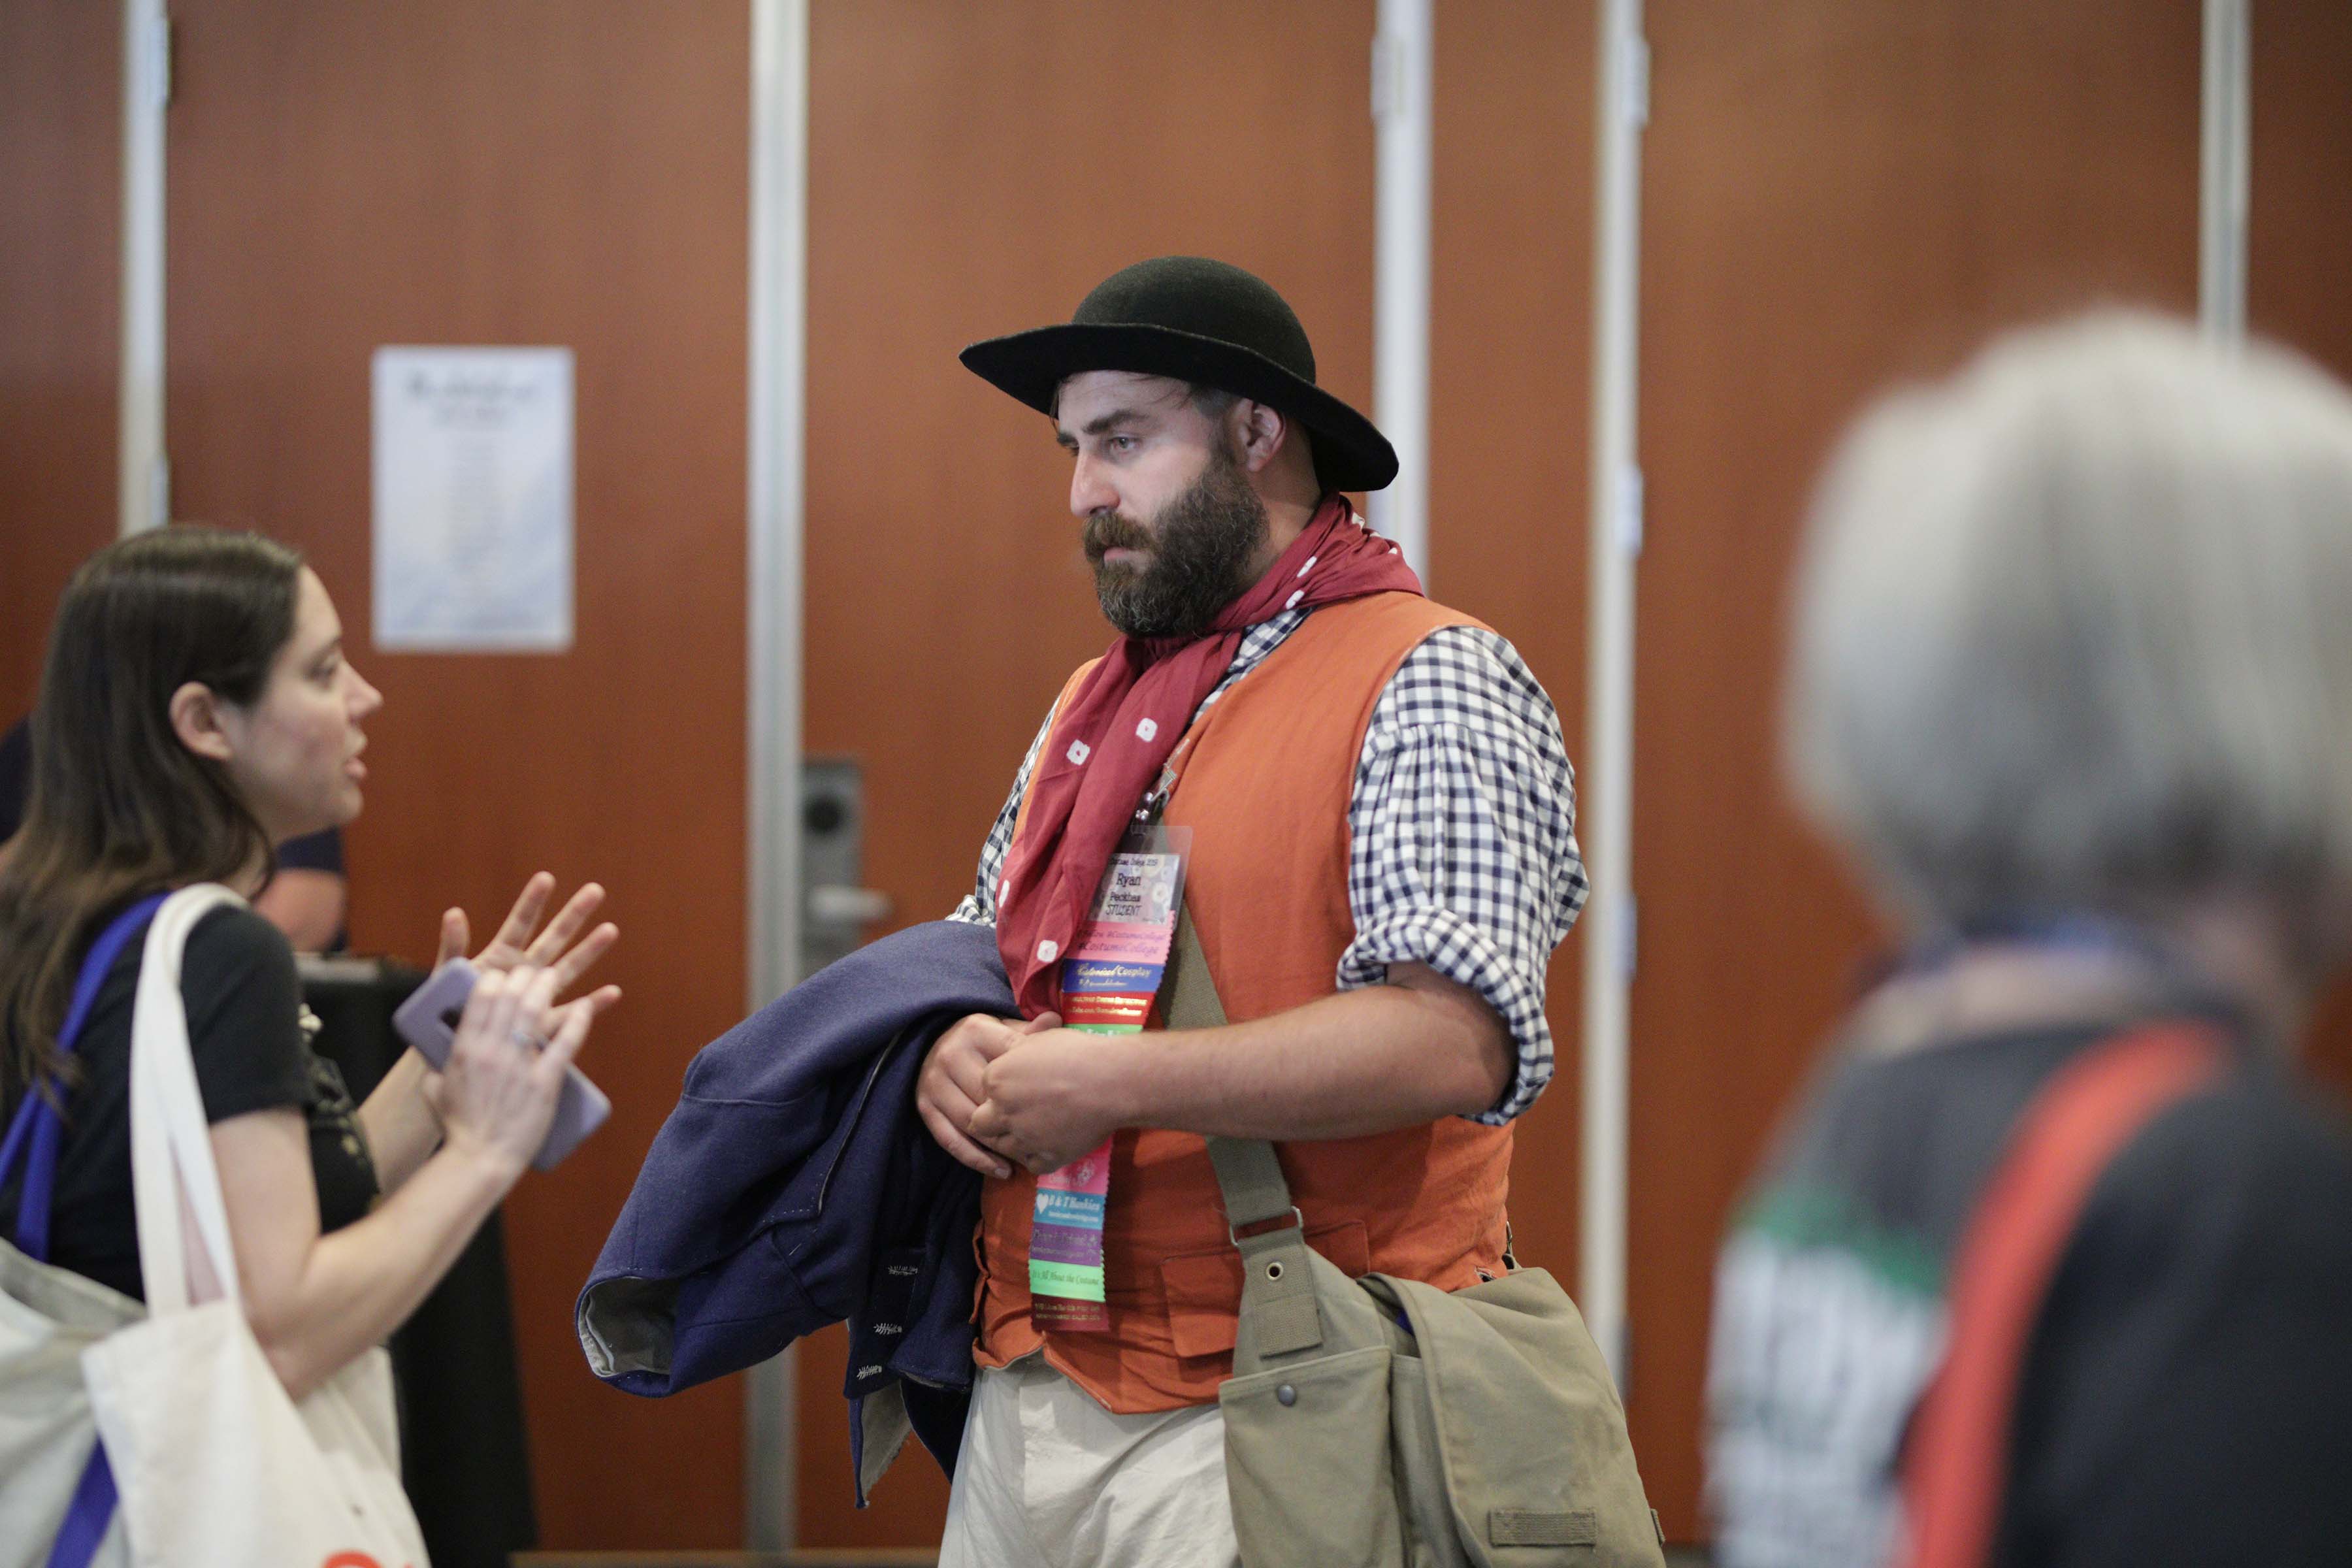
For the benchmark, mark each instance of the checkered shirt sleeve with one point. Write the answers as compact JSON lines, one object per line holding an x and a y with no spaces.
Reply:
{"x":1463,"y":850}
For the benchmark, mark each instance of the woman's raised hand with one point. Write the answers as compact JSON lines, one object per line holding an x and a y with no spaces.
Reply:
{"x":553,"y":950}
{"x":496,"y":1096}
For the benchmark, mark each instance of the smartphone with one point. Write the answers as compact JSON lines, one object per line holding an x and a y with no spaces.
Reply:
{"x":428,"y":1020}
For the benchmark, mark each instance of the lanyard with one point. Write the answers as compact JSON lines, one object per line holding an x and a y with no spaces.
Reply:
{"x":2176,"y":983}
{"x":1155,"y":800}
{"x":2087,"y":934}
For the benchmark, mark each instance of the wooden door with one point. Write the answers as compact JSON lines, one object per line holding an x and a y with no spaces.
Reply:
{"x":536,"y":172}
{"x":1836,"y":193}
{"x":1510,"y":374}
{"x":975,"y":170}
{"x":60,"y":191}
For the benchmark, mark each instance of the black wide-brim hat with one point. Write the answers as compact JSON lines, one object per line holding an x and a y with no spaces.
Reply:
{"x":1204,"y":321}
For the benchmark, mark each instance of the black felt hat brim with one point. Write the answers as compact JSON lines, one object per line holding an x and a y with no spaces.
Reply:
{"x":1350,"y":453}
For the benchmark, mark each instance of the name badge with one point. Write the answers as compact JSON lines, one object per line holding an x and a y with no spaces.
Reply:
{"x":1110,"y":978}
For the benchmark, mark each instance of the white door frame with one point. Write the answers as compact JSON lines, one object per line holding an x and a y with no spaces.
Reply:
{"x":1606,"y":799}
{"x":2223,"y":174}
{"x":142,"y":478}
{"x":778,"y":284}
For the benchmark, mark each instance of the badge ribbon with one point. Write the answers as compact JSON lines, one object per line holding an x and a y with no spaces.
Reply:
{"x":1108,"y":980}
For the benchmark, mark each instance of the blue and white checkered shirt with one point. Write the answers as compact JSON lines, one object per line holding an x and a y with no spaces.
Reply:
{"x":1462,"y":824}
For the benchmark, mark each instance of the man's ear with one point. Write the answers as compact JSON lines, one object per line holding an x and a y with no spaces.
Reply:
{"x":1262,"y":434}
{"x":196,"y":713}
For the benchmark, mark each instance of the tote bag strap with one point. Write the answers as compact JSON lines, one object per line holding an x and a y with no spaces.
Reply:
{"x":38,"y":1128}
{"x":1277,"y":1304}
{"x":1249,"y":1176}
{"x":1956,"y":1463}
{"x":170,"y":1140}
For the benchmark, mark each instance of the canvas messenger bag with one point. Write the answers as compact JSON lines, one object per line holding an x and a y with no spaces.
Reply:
{"x":1381,"y":1421}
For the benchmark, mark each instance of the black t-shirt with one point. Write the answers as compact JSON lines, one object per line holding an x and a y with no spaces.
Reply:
{"x":244,"y":1031}
{"x":2187,"y":1396}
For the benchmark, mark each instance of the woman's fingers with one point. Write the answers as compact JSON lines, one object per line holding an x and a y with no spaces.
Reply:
{"x":489,"y":986}
{"x":506,"y":1006}
{"x":538,"y":1003}
{"x":571,"y":1034}
{"x":593,"y":1003}
{"x":456,"y":936}
{"x":555,"y":949}
{"x":572,"y":965}
{"x":523,"y":919}
{"x":550,"y":942}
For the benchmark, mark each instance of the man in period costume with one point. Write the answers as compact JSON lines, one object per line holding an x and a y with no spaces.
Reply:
{"x":1378,"y":826}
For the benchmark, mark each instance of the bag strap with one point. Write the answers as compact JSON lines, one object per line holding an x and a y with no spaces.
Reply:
{"x":39,"y":1130}
{"x":1956,"y":1463}
{"x":1278,"y":1314}
{"x":170,"y":1138}
{"x":87,"y":1514}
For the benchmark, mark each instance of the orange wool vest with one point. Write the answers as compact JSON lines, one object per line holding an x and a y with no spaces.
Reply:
{"x":1266,"y":790}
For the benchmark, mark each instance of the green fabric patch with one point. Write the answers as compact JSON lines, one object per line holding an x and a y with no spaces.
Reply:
{"x":1539,"y":1527}
{"x":1801,"y":1216}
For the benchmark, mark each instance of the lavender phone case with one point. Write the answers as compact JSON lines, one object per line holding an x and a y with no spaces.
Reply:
{"x":427,"y":1020}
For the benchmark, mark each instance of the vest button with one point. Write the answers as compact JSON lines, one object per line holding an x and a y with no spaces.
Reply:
{"x":1287,"y":1396}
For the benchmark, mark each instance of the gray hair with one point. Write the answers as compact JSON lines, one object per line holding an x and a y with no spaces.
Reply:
{"x":2073,"y":632}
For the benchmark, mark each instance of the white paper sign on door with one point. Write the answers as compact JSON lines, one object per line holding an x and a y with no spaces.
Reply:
{"x":473,"y":499}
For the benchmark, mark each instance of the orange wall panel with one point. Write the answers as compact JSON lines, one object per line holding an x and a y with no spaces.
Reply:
{"x":975,"y":170}
{"x":60,"y":194}
{"x":1510,"y":373}
{"x":556,"y":172}
{"x":1836,"y":193}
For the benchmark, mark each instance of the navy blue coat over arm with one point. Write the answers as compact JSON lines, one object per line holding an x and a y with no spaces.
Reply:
{"x":794,"y":1187}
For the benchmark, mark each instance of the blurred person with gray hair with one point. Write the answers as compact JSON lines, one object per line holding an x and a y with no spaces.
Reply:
{"x":2052,"y":1263}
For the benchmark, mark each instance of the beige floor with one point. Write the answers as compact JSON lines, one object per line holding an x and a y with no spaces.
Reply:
{"x":1676,"y":1557}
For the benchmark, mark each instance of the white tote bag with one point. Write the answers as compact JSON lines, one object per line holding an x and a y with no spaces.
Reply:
{"x":217,"y":1466}
{"x":48,"y":1317}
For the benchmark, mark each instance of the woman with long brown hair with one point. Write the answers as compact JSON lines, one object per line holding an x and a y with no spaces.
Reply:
{"x":196,"y":709}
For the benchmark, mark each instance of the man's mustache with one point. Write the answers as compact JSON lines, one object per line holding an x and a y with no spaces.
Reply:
{"x":1108,"y":531}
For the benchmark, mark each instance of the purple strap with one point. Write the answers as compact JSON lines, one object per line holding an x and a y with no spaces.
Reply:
{"x":36,"y":1134}
{"x":92,"y":1510}
{"x":37,"y":1123}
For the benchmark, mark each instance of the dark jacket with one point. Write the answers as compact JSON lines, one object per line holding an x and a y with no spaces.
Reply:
{"x":794,"y":1187}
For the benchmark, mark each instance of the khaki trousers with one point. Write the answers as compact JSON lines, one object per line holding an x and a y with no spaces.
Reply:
{"x":1047,"y":1476}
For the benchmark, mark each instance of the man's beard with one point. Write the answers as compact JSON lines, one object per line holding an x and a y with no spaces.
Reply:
{"x":1199,"y":555}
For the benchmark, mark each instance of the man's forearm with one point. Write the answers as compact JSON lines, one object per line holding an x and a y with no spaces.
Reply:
{"x":1363,"y":1061}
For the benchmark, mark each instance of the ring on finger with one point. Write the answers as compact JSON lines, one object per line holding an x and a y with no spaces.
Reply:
{"x":525,"y":1038}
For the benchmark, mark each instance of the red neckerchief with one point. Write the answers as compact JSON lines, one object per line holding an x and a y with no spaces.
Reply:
{"x":1118,"y":728}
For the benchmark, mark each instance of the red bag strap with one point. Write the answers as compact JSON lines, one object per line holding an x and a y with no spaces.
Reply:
{"x":1955,"y":1465}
